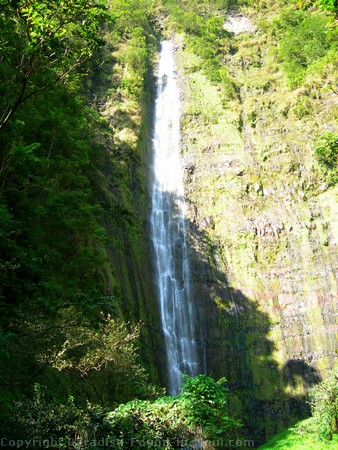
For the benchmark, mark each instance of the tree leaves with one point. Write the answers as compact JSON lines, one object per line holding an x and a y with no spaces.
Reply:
{"x":327,"y":156}
{"x":41,"y":43}
{"x":324,"y":403}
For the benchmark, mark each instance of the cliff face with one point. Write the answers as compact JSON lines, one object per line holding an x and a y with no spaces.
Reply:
{"x":263,"y":222}
{"x":264,"y":229}
{"x":122,"y":92}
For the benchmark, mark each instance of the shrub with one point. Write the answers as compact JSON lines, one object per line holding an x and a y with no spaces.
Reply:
{"x":303,"y":40}
{"x":43,"y":419}
{"x":199,"y":413}
{"x":327,"y":156}
{"x":330,"y":5}
{"x":324,"y":402}
{"x":206,"y":406}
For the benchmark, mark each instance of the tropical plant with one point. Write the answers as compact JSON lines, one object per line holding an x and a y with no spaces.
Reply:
{"x":303,"y":41}
{"x":164,"y":424}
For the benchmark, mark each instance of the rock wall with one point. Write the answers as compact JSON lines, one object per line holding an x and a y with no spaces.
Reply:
{"x":124,"y":96}
{"x":264,"y":231}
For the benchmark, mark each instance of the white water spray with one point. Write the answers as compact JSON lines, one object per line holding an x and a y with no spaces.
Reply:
{"x":168,"y":229}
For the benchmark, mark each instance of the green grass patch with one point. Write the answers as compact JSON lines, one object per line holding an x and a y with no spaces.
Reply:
{"x":299,"y":437}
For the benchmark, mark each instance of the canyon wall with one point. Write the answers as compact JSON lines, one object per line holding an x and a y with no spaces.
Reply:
{"x":263,"y":227}
{"x":122,"y":91}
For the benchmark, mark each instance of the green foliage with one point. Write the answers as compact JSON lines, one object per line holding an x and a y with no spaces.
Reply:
{"x":41,"y":43}
{"x":303,"y":40}
{"x":324,"y":403}
{"x":207,"y":406}
{"x":62,"y":425}
{"x":299,"y":437}
{"x":327,"y":156}
{"x":103,"y":358}
{"x":46,"y":156}
{"x":132,"y":29}
{"x":319,"y":431}
{"x":158,"y":425}
{"x":202,"y":24}
{"x":166,"y":423}
{"x":330,"y":5}
{"x":68,"y":194}
{"x":199,"y":413}
{"x":129,"y":14}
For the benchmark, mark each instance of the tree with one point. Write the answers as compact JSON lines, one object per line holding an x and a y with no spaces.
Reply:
{"x":101,"y":359}
{"x":41,"y":43}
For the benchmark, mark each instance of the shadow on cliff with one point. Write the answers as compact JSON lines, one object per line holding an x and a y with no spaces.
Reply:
{"x":233,"y":340}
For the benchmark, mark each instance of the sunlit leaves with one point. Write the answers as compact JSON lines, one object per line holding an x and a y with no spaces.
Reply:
{"x":199,"y":413}
{"x":324,"y":402}
{"x":330,"y":5}
{"x":304,"y":39}
{"x":41,"y":43}
{"x":206,"y":405}
{"x":327,"y":156}
{"x":85,"y":349}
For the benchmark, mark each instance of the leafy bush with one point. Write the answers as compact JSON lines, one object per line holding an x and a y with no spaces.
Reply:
{"x":330,"y":5}
{"x":327,"y":156}
{"x":42,"y":418}
{"x":206,"y":406}
{"x":324,"y":401}
{"x":198,"y":414}
{"x":161,"y":424}
{"x":303,"y":40}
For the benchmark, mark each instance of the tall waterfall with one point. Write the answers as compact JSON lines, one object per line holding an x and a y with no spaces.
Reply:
{"x":168,"y":229}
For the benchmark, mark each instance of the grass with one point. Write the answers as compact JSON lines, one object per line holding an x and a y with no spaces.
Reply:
{"x":299,"y":437}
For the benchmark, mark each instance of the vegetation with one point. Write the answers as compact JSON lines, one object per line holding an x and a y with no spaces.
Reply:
{"x":330,"y":5}
{"x":68,"y":200}
{"x":324,"y":400}
{"x":199,"y":413}
{"x":321,"y":430}
{"x":42,"y":43}
{"x":295,"y":438}
{"x":166,"y":423}
{"x":305,"y":42}
{"x":201,"y":23}
{"x":327,"y":156}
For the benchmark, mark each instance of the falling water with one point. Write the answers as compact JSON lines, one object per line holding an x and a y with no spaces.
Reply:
{"x":168,"y":229}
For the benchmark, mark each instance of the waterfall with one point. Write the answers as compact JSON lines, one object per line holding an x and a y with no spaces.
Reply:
{"x":168,"y":229}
